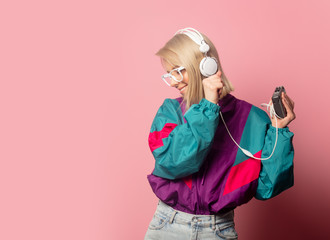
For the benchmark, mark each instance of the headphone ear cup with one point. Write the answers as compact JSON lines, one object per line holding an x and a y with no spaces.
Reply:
{"x":208,"y":66}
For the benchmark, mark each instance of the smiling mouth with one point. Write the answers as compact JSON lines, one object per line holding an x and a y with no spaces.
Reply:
{"x":182,"y":89}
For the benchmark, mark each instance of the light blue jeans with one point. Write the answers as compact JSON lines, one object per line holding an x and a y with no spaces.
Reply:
{"x":170,"y":224}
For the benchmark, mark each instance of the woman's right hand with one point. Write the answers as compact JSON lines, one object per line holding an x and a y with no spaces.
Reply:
{"x":213,"y":87}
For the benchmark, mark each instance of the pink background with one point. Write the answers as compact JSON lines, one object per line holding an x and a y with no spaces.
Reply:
{"x":80,"y":85}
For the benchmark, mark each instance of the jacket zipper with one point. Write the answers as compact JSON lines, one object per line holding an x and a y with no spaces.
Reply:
{"x":197,"y":195}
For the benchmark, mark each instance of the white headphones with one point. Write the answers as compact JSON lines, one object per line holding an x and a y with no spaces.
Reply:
{"x":209,"y":65}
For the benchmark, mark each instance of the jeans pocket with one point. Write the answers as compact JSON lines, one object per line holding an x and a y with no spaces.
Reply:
{"x":158,"y":221}
{"x":226,"y":230}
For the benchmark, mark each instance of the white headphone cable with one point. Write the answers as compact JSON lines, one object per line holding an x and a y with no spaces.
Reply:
{"x":246,"y":152}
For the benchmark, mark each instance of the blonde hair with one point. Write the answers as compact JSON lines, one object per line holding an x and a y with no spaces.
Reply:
{"x":181,"y":50}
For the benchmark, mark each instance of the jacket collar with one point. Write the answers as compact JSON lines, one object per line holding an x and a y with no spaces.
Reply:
{"x":227,"y":103}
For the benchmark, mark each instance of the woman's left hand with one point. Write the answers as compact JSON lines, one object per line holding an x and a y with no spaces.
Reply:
{"x":290,"y":116}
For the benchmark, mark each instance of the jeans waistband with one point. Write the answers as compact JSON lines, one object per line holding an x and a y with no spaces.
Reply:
{"x":203,"y":220}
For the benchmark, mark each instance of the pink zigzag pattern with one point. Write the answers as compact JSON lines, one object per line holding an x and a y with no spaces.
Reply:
{"x":156,"y":138}
{"x":243,"y":173}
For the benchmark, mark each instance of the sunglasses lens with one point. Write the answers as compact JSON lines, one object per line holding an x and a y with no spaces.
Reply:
{"x":177,"y":75}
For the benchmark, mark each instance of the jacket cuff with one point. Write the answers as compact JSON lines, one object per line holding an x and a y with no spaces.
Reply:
{"x":284,"y":131}
{"x":210,"y":105}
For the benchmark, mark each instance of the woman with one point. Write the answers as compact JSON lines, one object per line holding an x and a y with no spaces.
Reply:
{"x":201,"y":174}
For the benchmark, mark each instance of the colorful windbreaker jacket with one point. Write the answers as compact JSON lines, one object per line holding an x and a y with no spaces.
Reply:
{"x":198,"y":167}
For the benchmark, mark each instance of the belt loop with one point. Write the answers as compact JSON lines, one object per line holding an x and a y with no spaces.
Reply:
{"x":172,"y":217}
{"x":213,"y":222}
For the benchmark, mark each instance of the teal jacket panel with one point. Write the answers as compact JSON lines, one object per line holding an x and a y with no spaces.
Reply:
{"x":276,"y":173}
{"x":180,"y":148}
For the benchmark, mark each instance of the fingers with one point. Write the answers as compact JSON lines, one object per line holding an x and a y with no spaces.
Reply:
{"x":216,"y":75}
{"x":287,"y":100}
{"x":290,"y":100}
{"x":270,"y":103}
{"x":288,"y":104}
{"x":212,"y":87}
{"x":214,"y":81}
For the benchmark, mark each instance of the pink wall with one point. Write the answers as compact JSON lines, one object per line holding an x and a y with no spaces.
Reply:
{"x":80,"y":86}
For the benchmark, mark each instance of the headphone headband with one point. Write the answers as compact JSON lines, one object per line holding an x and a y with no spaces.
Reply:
{"x":208,"y":65}
{"x":193,"y":34}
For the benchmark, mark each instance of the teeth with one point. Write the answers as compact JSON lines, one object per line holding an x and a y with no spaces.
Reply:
{"x":182,"y":89}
